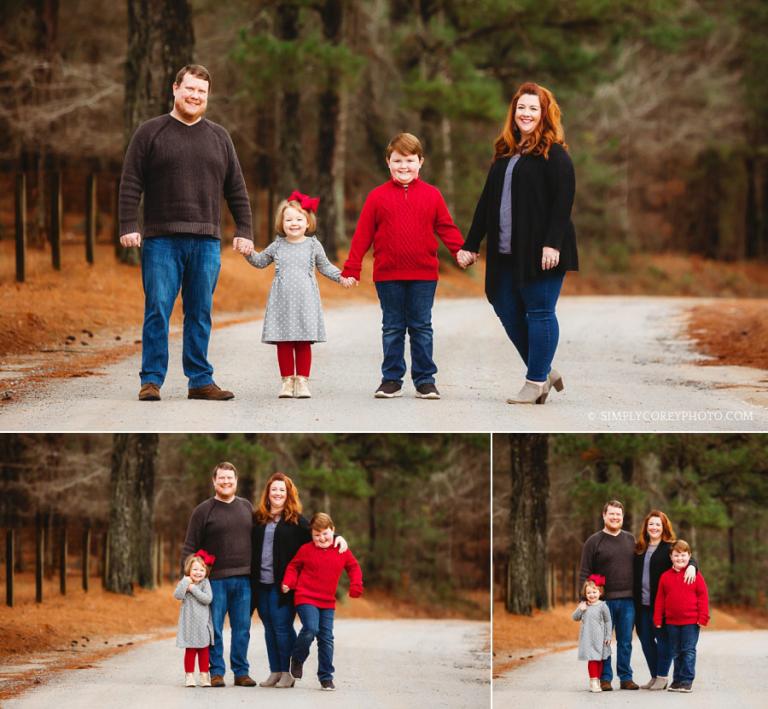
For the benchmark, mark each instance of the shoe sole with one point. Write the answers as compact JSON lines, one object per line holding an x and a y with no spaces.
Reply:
{"x":286,"y":396}
{"x":149,"y":398}
{"x":328,"y":689}
{"x":427,"y":396}
{"x":384,"y":395}
{"x":208,"y":398}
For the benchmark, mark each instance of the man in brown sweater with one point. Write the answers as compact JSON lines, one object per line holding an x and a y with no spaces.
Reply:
{"x":222,"y":526}
{"x":181,"y":163}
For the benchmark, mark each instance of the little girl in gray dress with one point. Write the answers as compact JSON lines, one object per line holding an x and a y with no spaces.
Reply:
{"x":595,"y":631}
{"x":294,"y":315}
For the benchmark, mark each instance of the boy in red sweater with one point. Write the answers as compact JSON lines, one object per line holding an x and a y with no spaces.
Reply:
{"x":400,"y":218}
{"x":314,"y":574}
{"x":683,"y":608}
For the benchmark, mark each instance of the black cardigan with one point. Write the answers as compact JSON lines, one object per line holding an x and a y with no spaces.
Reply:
{"x":660,"y":562}
{"x":542,"y":197}
{"x":288,"y":539}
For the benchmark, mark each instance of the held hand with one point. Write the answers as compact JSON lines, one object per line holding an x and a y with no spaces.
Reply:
{"x":284,"y":588}
{"x":242,"y":245}
{"x":132,"y":239}
{"x":549,"y":258}
{"x":347,"y":282}
{"x":341,"y":543}
{"x":465,"y":258}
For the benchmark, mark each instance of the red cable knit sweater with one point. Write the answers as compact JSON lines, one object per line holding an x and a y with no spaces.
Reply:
{"x":400,"y":221}
{"x":314,"y":574}
{"x":680,"y":603}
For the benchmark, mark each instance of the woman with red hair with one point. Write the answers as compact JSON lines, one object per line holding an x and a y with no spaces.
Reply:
{"x":525,"y":211}
{"x":279,"y":530}
{"x":654,"y":541}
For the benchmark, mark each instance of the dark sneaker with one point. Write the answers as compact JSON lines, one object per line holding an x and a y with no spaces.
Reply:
{"x":389,"y":390}
{"x":149,"y":392}
{"x":210,"y":392}
{"x":674,"y":687}
{"x":605,"y":685}
{"x":243,"y":681}
{"x":297,"y":668}
{"x":427,"y":391}
{"x":685,"y":688}
{"x":628,"y":684}
{"x":217,"y":681}
{"x":328,"y":685}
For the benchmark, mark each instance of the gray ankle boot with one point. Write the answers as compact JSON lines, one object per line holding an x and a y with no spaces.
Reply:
{"x":286,"y":681}
{"x":531,"y":393}
{"x":271,"y":681}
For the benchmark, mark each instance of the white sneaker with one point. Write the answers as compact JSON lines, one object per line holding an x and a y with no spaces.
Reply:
{"x":301,"y":388}
{"x":594,"y":685}
{"x":286,"y":390}
{"x":190,"y":680}
{"x":205,"y":679}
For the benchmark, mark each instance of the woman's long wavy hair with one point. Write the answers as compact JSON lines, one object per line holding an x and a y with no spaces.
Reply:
{"x":667,"y":533}
{"x":292,"y":508}
{"x":548,"y":131}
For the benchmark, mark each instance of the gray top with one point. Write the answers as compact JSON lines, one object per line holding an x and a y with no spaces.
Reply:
{"x":267,"y":572}
{"x":505,"y":209}
{"x":294,"y":312}
{"x":595,"y":632}
{"x":195,"y":626}
{"x":645,"y":586}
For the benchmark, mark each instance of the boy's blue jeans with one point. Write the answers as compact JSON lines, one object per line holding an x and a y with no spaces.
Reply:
{"x":682,"y":648}
{"x":316,"y":623}
{"x":169,"y":264}
{"x":277,"y":620}
{"x":407,"y":305}
{"x":654,"y":643}
{"x":528,"y":316}
{"x":231,"y":595}
{"x":622,"y":612}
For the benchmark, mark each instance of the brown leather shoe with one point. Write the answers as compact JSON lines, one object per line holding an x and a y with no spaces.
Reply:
{"x":210,"y":392}
{"x":217,"y":681}
{"x":628,"y":684}
{"x":244,"y":681}
{"x":605,"y":685}
{"x":149,"y":392}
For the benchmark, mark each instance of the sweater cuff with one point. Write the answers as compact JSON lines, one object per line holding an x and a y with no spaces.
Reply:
{"x":128,"y":228}
{"x":349,"y":272}
{"x":355,"y":591}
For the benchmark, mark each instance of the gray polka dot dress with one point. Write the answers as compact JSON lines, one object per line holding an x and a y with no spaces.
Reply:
{"x":294,"y":312}
{"x":595,"y":630}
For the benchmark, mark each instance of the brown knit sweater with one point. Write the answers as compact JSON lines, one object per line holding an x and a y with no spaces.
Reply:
{"x":182,"y":171}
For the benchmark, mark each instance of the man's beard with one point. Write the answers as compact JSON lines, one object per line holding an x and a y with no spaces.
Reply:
{"x":184,"y":111}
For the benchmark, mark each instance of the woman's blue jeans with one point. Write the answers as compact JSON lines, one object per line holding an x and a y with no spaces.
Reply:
{"x":316,"y":623}
{"x":407,"y":305}
{"x":169,"y":264}
{"x":528,"y":316}
{"x":654,"y":643}
{"x":231,"y":595}
{"x":277,"y":620}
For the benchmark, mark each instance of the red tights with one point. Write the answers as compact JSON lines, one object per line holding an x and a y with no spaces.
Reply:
{"x":202,"y":659}
{"x":595,"y":668}
{"x":285,"y":354}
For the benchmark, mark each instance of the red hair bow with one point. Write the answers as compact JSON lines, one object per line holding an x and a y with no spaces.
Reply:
{"x":598,"y":579}
{"x":309,"y":203}
{"x":206,"y":557}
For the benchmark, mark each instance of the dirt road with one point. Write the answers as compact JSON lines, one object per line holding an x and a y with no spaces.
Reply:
{"x":626,"y":364}
{"x":400,"y":664}
{"x":730,"y":668}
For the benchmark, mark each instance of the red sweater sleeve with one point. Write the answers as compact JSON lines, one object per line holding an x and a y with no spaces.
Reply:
{"x":658,"y":608}
{"x":361,"y":239}
{"x":703,"y":600}
{"x":293,"y":569}
{"x":447,"y":231}
{"x":355,"y":574}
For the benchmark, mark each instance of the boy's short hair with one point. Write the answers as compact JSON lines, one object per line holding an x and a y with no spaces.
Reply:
{"x":321,"y":521}
{"x":405,"y":144}
{"x":191,"y":559}
{"x":311,"y":219}
{"x":224,"y":465}
{"x":680,"y":545}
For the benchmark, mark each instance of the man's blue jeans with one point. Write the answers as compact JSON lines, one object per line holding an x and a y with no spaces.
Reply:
{"x":654,"y":642}
{"x":231,"y":595}
{"x":528,"y":316}
{"x":316,"y":623}
{"x":169,"y":264}
{"x":622,"y":612}
{"x":407,"y":305}
{"x":277,"y":620}
{"x":682,"y":648}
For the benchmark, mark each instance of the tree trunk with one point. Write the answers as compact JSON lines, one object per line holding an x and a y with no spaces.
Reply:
{"x":289,"y":152}
{"x":146,"y":454}
{"x":527,"y":582}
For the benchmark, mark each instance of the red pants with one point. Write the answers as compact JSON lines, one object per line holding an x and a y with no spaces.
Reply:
{"x":595,"y":668}
{"x":285,"y":355}
{"x":202,"y":659}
